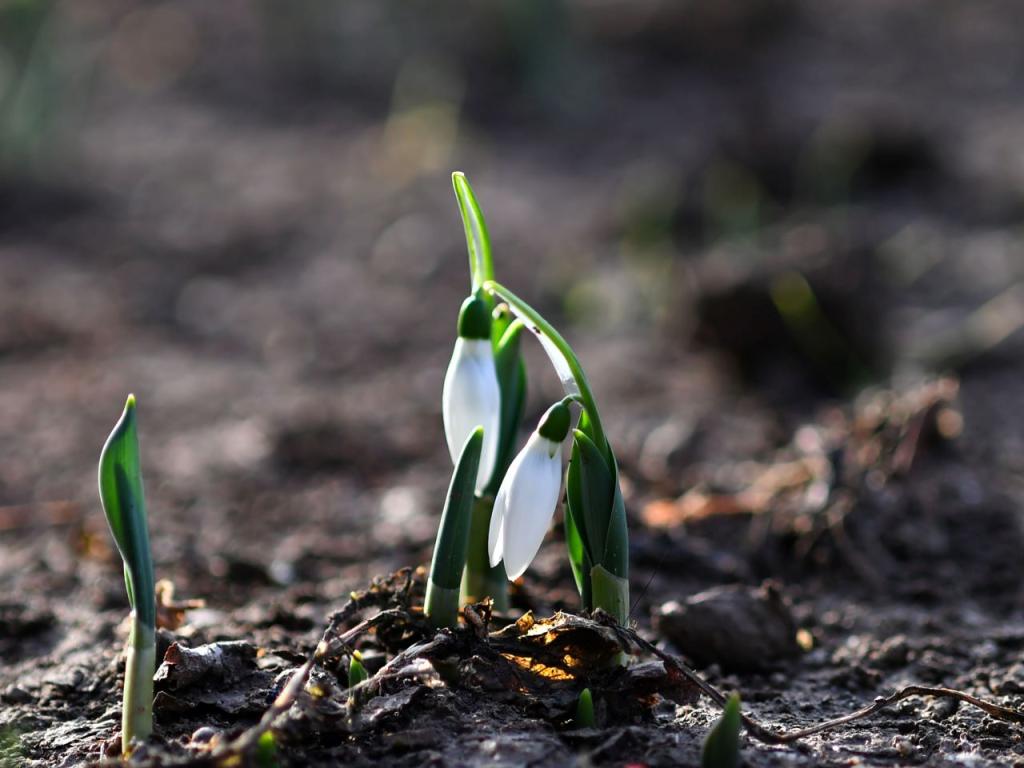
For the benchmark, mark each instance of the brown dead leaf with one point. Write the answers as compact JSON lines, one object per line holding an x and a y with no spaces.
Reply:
{"x":170,"y":613}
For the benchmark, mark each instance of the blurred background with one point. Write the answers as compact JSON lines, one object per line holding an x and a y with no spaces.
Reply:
{"x":762,"y":224}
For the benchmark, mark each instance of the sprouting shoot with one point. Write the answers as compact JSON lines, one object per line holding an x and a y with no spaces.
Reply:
{"x":120,"y":483}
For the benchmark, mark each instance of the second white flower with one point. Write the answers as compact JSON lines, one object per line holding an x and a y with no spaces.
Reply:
{"x":529,"y":495}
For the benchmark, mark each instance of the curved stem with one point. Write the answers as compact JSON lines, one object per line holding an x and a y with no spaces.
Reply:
{"x":570,"y":399}
{"x":540,"y":325}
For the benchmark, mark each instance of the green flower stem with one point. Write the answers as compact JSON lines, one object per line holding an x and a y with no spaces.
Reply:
{"x":442,"y":605}
{"x":586,"y":396}
{"x":140,"y":664}
{"x":479,"y":580}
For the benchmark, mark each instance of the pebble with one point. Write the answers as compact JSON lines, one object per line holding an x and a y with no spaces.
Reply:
{"x":203,"y":735}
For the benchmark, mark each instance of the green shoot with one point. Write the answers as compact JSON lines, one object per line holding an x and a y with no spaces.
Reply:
{"x":356,"y":674}
{"x":722,"y":745}
{"x":266,"y":751}
{"x":356,"y":671}
{"x":452,"y":545}
{"x":120,"y":484}
{"x":584,"y":710}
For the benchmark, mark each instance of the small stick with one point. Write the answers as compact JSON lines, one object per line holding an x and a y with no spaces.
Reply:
{"x":769,"y":736}
{"x":282,"y":703}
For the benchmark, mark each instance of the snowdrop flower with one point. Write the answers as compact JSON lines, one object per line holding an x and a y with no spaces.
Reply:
{"x":471,"y":396}
{"x":528,"y":495}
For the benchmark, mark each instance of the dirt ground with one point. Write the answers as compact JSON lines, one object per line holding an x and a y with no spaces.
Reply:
{"x":787,"y":250}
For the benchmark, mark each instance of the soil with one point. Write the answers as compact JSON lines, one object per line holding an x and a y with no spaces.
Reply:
{"x":790,"y":261}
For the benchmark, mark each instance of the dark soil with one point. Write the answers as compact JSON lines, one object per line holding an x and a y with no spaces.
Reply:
{"x":785,"y":242}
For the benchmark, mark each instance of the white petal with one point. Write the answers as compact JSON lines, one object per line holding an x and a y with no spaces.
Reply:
{"x":533,"y":489}
{"x":471,"y":398}
{"x":496,"y":532}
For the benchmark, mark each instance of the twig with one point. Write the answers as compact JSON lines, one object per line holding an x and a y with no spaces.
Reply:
{"x":769,"y":736}
{"x":249,"y":738}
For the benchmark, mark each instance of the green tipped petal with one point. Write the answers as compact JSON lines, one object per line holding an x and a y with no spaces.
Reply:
{"x":475,"y":319}
{"x":554,"y":425}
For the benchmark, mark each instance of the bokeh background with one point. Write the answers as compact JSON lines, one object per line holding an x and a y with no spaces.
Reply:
{"x":242,"y":212}
{"x":744,"y":215}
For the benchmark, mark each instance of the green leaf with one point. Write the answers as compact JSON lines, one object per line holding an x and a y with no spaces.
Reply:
{"x":356,"y":672}
{"x":574,"y":548}
{"x":610,"y":593}
{"x":121,"y":493}
{"x":478,"y":240}
{"x":266,"y":751}
{"x":453,"y":535}
{"x":512,"y":381}
{"x":596,"y":496}
{"x":584,"y":710}
{"x":585,"y":425}
{"x":722,"y":745}
{"x":616,"y":542}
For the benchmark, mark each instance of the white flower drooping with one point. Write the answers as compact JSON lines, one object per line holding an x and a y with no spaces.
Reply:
{"x":528,"y":495}
{"x":471,"y":396}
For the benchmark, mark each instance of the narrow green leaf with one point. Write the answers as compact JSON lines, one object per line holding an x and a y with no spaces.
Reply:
{"x":512,"y":381}
{"x":616,"y":543}
{"x":121,"y":493}
{"x":574,"y":548}
{"x":478,"y":240}
{"x":722,"y":745}
{"x":584,"y":710}
{"x":575,"y":521}
{"x":585,"y":425}
{"x":597,"y":494}
{"x":128,"y":587}
{"x":453,"y":535}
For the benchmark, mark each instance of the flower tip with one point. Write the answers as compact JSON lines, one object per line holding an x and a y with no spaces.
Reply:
{"x":129,"y":404}
{"x":474,"y":319}
{"x":554,"y":425}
